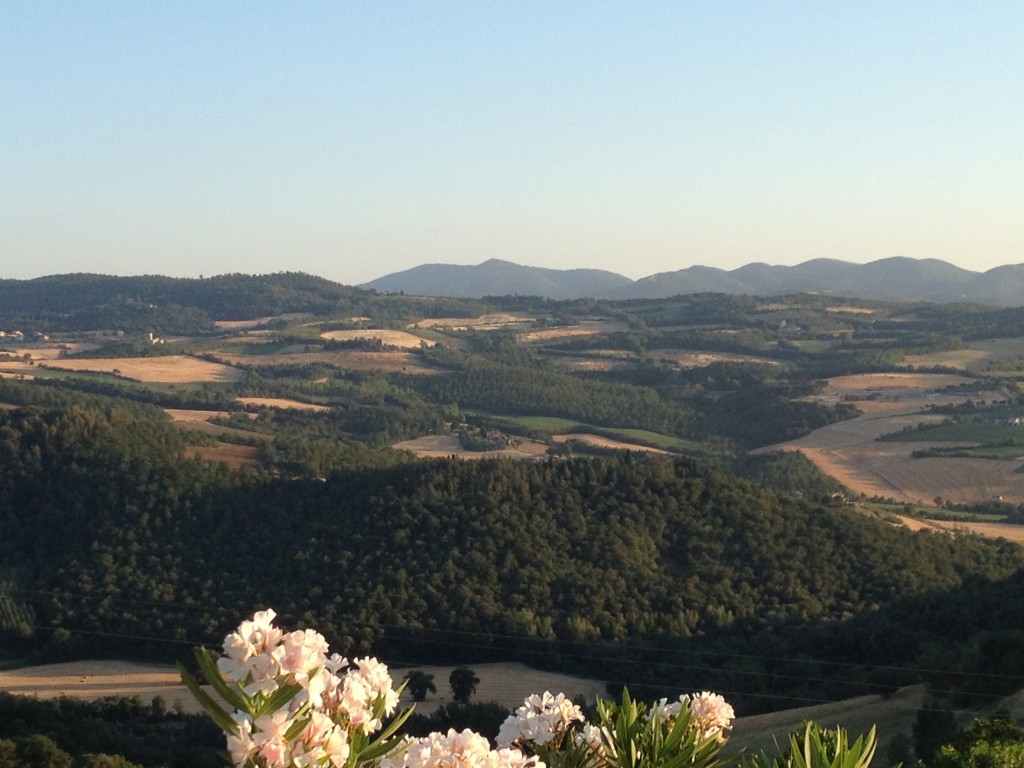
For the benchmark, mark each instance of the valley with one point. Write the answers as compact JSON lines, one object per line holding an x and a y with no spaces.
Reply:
{"x":697,"y":492}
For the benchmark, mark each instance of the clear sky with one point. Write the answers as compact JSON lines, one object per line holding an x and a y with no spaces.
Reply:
{"x":354,"y":139}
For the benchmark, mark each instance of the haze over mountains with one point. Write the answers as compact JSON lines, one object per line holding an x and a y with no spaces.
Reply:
{"x":897,"y":278}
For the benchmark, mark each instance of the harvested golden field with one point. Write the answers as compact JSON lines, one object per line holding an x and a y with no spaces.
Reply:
{"x":989,"y":530}
{"x":442,"y":446}
{"x":52,"y":351}
{"x":96,"y":679}
{"x":354,"y":360}
{"x":489,"y":322}
{"x":590,"y":364}
{"x":282,"y":403}
{"x":850,"y":310}
{"x":12,"y":368}
{"x":585,"y":328}
{"x":194,"y":417}
{"x":506,"y":683}
{"x":235,"y":456}
{"x":892,"y":715}
{"x":915,"y":385}
{"x":603,"y":442}
{"x":171,"y":369}
{"x":402,"y":339}
{"x":978,"y":355}
{"x":684,"y":358}
{"x":243,"y":324}
{"x":199,"y":421}
{"x":848,"y":450}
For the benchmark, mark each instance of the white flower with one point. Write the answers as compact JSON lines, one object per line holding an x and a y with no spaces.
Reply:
{"x":269,"y":736}
{"x":541,"y":719}
{"x":458,"y":749}
{"x":712,"y":715}
{"x":240,"y":744}
{"x":301,"y":653}
{"x":664,"y":711}
{"x":378,"y":679}
{"x":252,"y":637}
{"x":598,"y":740}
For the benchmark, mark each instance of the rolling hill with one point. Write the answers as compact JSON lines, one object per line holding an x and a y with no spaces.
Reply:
{"x":897,"y":278}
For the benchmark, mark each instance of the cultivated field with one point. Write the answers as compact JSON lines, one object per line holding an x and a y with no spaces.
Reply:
{"x":96,"y":679}
{"x":989,"y":530}
{"x":603,"y":442}
{"x":234,"y":456}
{"x":401,"y":339}
{"x":171,"y":369}
{"x":182,"y":415}
{"x":684,"y":358}
{"x":505,"y":683}
{"x":490,"y":322}
{"x":352,"y":360}
{"x":200,"y":422}
{"x":585,"y":328}
{"x":243,"y":324}
{"x":912,"y":386}
{"x":13,"y":369}
{"x":591,"y":364}
{"x":282,"y":403}
{"x":849,"y":451}
{"x":978,"y":355}
{"x":891,"y":715}
{"x":51,"y":351}
{"x":442,"y":446}
{"x":850,"y":310}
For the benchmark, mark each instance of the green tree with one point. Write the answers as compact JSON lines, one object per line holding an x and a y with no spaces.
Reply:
{"x":420,"y":683}
{"x":42,"y":752}
{"x":463,"y":682}
{"x":8,"y":754}
{"x":106,"y":761}
{"x":985,"y":744}
{"x":934,"y":726}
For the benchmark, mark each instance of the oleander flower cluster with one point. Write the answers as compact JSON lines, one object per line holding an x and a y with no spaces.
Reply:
{"x":542,"y":719}
{"x":690,"y":731}
{"x":292,"y":703}
{"x":286,"y":702}
{"x":710,"y":714}
{"x":457,"y":749}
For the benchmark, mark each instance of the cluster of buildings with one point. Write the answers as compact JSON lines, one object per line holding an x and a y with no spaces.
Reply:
{"x":20,"y":336}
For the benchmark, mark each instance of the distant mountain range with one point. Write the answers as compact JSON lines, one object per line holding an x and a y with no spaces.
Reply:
{"x":898,"y":278}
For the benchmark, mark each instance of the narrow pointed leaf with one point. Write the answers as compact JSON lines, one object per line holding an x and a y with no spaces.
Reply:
{"x":223,"y":720}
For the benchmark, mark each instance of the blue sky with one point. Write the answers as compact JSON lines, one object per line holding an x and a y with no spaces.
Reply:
{"x":351,"y":140}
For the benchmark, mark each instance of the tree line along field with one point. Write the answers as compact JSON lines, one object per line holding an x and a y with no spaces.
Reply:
{"x":598,"y":557}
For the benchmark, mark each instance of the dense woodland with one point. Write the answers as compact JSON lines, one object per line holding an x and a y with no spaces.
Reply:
{"x":710,"y":568}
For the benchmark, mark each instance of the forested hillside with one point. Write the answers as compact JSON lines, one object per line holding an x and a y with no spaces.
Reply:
{"x":153,"y":488}
{"x":118,"y":545}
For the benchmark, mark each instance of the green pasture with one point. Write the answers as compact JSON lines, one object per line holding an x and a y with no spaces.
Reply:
{"x":546,"y":424}
{"x":658,"y":440}
{"x":885,"y":510}
{"x":986,"y":434}
{"x":550,"y":425}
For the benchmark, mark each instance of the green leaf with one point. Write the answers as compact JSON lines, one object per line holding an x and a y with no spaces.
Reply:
{"x":220,"y":716}
{"x":277,"y":700}
{"x":231,"y":693}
